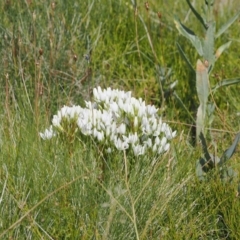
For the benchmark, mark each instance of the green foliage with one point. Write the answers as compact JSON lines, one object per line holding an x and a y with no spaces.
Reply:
{"x":205,"y":49}
{"x":52,"y":54}
{"x":203,"y":92}
{"x":210,"y":161}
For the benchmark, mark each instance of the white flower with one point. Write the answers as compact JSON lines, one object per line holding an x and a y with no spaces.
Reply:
{"x":106,"y":118}
{"x":168,"y":131}
{"x":48,"y":133}
{"x":114,"y":107}
{"x":154,"y":148}
{"x":108,"y":131}
{"x":138,"y":150}
{"x":151,"y":110}
{"x":100,"y":136}
{"x":86,"y":129}
{"x":166,"y":147}
{"x":116,"y":119}
{"x":148,"y":143}
{"x":135,"y":124}
{"x":157,"y":140}
{"x":163,"y":141}
{"x":132,"y":138}
{"x":89,"y":105}
{"x":121,"y":129}
{"x":174,"y":134}
{"x":56,"y":121}
{"x":120,"y":145}
{"x":146,"y":128}
{"x":163,"y":148}
{"x":98,"y":94}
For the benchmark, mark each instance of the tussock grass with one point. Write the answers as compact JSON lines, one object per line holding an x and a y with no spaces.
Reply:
{"x":54,"y":54}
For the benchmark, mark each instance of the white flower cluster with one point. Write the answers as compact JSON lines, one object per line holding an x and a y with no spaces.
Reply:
{"x":118,"y":120}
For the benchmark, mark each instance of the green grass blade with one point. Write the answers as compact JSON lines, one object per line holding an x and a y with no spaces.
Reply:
{"x":149,"y":37}
{"x":198,"y":16}
{"x":184,"y":56}
{"x":183,"y":105}
{"x":227,"y":25}
{"x":190,"y":35}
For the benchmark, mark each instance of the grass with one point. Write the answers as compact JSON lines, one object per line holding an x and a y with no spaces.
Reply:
{"x":54,"y":190}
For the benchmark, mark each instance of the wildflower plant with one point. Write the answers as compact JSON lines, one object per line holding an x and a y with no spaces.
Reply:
{"x":116,"y":121}
{"x":205,"y":47}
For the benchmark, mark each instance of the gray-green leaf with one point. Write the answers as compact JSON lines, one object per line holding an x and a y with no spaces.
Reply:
{"x":227,"y":25}
{"x":190,"y":35}
{"x":226,"y":82}
{"x":203,"y":92}
{"x":221,"y":49}
{"x":198,"y":16}
{"x":230,"y":151}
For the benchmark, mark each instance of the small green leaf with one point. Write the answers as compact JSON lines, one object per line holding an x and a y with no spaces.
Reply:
{"x":183,"y":55}
{"x":214,"y":160}
{"x":227,"y":174}
{"x":202,"y":82}
{"x":208,"y":45}
{"x":226,"y":82}
{"x":210,"y":113}
{"x":200,"y":120}
{"x":198,"y":16}
{"x":221,"y":49}
{"x":227,"y":25}
{"x":230,"y":151}
{"x":203,"y":92}
{"x":204,"y":147}
{"x":190,"y":35}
